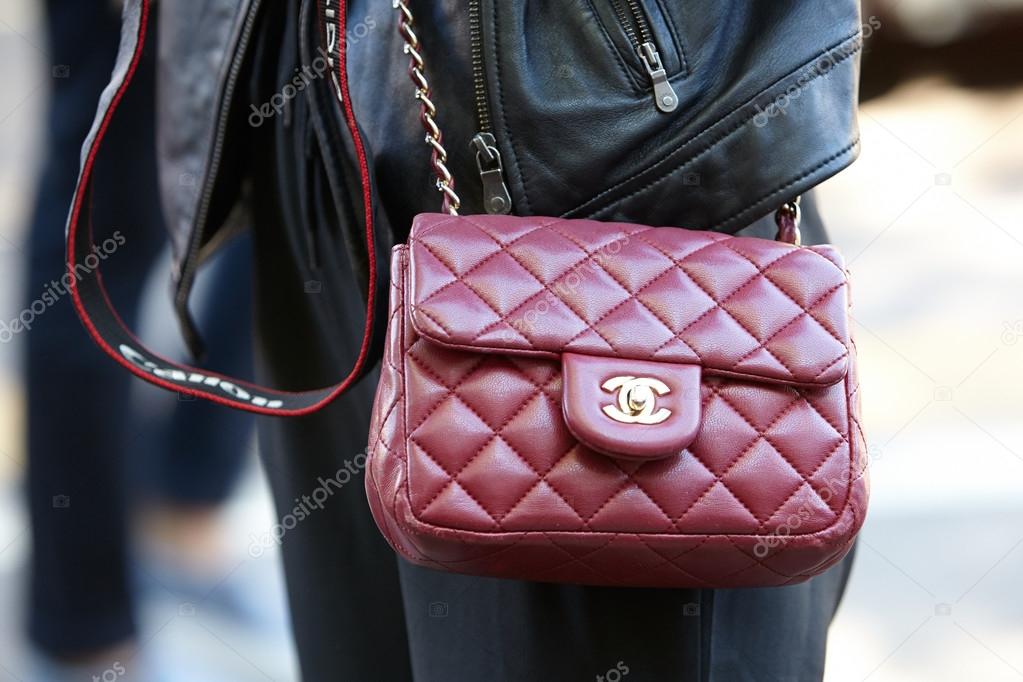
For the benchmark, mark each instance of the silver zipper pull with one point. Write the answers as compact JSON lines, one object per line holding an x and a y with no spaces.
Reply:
{"x":664,"y":95}
{"x":496,"y":198}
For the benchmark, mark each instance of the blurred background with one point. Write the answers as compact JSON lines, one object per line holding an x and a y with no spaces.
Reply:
{"x":931,"y":221}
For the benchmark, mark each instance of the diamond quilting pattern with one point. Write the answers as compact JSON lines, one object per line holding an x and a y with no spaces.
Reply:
{"x":473,"y":470}
{"x":735,"y":305}
{"x":489,"y":451}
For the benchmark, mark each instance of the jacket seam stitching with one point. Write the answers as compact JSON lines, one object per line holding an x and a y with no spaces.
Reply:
{"x":712,"y":144}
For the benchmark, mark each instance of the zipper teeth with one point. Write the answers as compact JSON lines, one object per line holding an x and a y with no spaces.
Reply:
{"x":626,"y":22}
{"x":479,"y":77}
{"x":641,"y":22}
{"x":218,"y":143}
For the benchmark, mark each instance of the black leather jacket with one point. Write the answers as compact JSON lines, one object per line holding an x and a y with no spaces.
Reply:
{"x":762,"y":99}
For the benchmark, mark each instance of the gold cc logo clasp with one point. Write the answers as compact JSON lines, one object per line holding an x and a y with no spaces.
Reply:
{"x":637,"y":398}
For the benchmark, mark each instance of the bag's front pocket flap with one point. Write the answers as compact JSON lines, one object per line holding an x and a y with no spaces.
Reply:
{"x":736,"y":306}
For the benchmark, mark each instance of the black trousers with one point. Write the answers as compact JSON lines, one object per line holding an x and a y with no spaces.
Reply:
{"x":360,"y":613}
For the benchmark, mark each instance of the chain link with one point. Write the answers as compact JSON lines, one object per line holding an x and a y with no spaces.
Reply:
{"x":428,"y":110}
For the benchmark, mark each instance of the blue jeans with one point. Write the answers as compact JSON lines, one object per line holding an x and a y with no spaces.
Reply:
{"x":81,"y":433}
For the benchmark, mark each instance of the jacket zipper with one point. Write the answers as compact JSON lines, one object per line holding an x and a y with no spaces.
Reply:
{"x":190,"y":264}
{"x":496,"y":198}
{"x":637,"y":28}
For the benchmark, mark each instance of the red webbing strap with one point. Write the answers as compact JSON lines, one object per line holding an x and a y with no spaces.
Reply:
{"x":109,"y":332}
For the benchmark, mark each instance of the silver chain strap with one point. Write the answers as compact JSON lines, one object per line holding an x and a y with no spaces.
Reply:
{"x":428,"y":110}
{"x":787,"y":214}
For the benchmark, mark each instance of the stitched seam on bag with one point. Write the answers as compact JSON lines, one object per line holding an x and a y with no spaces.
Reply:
{"x":403,"y":466}
{"x":849,"y":487}
{"x":502,"y":248}
{"x":437,"y":322}
{"x":496,"y":434}
{"x":672,"y":521}
{"x":458,"y":278}
{"x":643,"y":490}
{"x":616,"y":493}
{"x":843,"y":443}
{"x":657,"y":277}
{"x":671,"y":562}
{"x":555,"y":545}
{"x":843,"y":440}
{"x":504,"y":319}
{"x":834,"y":362}
{"x":705,"y":536}
{"x":728,"y":468}
{"x":780,"y":451}
{"x":452,"y":481}
{"x":676,"y":264}
{"x":452,"y":478}
{"x":580,"y":559}
{"x":632,"y":296}
{"x":542,"y":284}
{"x":756,"y":562}
{"x":542,"y":478}
{"x":719,"y":304}
{"x":615,"y":308}
{"x":805,"y":309}
{"x":421,"y":233}
{"x":557,"y":461}
{"x":714,"y":142}
{"x":410,"y":533}
{"x":449,"y":391}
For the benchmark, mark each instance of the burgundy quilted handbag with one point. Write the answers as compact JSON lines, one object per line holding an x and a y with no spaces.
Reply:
{"x":611,"y":404}
{"x":583,"y":402}
{"x":600,"y":403}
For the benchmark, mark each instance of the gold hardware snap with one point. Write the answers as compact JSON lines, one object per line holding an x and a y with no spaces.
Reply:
{"x":637,"y":399}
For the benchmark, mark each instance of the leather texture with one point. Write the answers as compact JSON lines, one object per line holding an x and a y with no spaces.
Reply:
{"x":474,"y":469}
{"x":767,"y":110}
{"x":605,"y":423}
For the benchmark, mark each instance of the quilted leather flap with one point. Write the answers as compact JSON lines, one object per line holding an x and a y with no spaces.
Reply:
{"x":736,"y":306}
